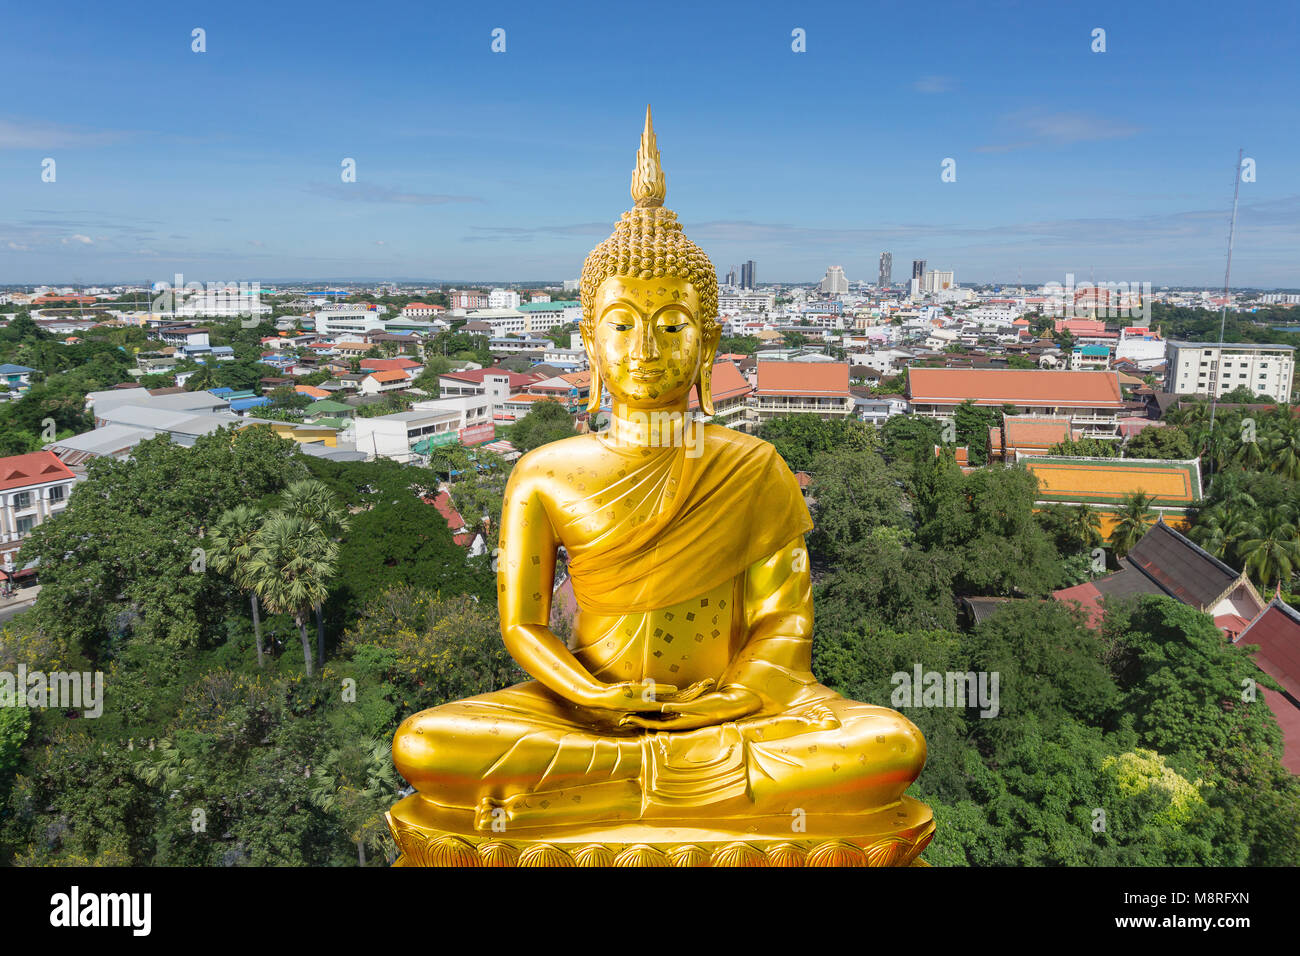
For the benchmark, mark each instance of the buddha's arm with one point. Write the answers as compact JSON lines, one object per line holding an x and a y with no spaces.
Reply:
{"x":525,"y":577}
{"x":776,"y":661}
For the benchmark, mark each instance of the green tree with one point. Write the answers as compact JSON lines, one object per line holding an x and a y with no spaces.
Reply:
{"x":1134,"y":518}
{"x":546,"y":421}
{"x":1273,"y":552}
{"x":291,"y":562}
{"x":230,"y":545}
{"x":312,"y":501}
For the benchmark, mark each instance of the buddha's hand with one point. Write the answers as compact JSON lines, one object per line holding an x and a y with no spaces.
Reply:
{"x":634,"y":696}
{"x":717,"y":708}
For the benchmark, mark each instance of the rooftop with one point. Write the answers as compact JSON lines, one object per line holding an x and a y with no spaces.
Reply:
{"x":803,"y":378}
{"x":1027,"y":387}
{"x":36,"y":468}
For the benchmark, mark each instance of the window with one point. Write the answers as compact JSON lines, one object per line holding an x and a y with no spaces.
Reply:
{"x":22,"y":500}
{"x":57,"y":493}
{"x":25,"y":525}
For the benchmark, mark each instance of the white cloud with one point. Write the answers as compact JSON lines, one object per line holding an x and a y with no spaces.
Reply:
{"x":32,"y":134}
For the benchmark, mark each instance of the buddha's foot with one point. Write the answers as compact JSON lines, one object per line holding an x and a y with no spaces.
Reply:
{"x":620,"y":799}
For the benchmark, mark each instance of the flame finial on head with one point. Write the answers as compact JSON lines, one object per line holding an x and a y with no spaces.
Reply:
{"x":648,"y":187}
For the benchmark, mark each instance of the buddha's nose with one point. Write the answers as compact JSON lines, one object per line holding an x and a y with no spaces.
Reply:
{"x":646,"y":347}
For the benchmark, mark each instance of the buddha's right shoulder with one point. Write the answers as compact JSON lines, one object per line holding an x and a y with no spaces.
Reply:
{"x":535,"y":465}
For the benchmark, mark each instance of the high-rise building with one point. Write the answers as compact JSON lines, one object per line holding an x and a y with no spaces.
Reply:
{"x":918,"y":268}
{"x":835,"y":281}
{"x":886,"y":269}
{"x":936,"y":281}
{"x":731,"y":276}
{"x":747,"y":279}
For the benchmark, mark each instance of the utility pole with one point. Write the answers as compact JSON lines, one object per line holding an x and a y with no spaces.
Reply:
{"x":1223,"y":316}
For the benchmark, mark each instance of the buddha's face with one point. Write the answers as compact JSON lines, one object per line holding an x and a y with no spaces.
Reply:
{"x":646,"y":341}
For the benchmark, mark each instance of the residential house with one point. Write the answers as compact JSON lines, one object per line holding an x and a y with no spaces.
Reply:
{"x":33,"y":487}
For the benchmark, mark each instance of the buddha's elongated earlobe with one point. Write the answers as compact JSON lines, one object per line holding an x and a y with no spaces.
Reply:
{"x":593,"y":398}
{"x":704,"y":385}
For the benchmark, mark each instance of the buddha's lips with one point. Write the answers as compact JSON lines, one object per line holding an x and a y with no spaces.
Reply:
{"x":647,"y":374}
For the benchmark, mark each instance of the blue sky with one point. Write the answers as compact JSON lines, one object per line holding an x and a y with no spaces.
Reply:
{"x":474,"y":165}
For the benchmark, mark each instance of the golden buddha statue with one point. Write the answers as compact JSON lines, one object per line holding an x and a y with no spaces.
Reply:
{"x":681,"y":724}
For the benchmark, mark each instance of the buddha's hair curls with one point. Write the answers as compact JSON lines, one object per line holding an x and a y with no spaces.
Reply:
{"x":648,"y":243}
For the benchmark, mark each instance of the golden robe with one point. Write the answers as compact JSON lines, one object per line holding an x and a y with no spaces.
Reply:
{"x":668,"y":594}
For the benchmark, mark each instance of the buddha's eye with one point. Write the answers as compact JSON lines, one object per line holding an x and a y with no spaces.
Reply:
{"x":673,"y":327}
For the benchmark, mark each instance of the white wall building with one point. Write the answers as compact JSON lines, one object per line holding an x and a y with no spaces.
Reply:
{"x":1213,"y":368}
{"x":33,"y":487}
{"x":355,"y":319}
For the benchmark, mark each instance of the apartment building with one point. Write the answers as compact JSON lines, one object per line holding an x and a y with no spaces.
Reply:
{"x":336,"y":320}
{"x":33,"y":487}
{"x":467,"y":299}
{"x":541,"y":316}
{"x":1214,"y":368}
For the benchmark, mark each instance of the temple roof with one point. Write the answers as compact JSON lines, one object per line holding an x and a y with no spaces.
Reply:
{"x":1182,"y":569}
{"x":1277,"y":632}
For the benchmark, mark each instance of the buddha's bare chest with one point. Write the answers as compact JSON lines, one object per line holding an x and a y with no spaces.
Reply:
{"x":689,"y":641}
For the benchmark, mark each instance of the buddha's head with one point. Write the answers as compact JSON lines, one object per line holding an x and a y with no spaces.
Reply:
{"x":649,"y":302}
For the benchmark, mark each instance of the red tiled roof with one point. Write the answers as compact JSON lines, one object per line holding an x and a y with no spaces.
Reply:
{"x":1025,"y":431}
{"x":18,"y":471}
{"x":803,"y":378}
{"x":388,"y":365}
{"x":395,"y":375}
{"x":442,"y":502}
{"x":727,"y":382}
{"x":1030,"y":387}
{"x":1277,"y":632}
{"x":1085,"y":596}
{"x":477,"y":375}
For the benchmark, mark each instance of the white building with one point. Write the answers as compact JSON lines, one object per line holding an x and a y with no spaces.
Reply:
{"x":502,"y":322}
{"x":540,"y":316}
{"x":503,"y":299}
{"x":1213,"y":368}
{"x":226,"y":304}
{"x":33,"y":487}
{"x":349,"y":318}
{"x":937,"y":281}
{"x":391,"y":436}
{"x":835,"y":282}
{"x":732,"y":303}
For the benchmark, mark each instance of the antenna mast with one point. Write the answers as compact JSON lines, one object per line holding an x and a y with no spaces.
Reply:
{"x":1223,"y":316}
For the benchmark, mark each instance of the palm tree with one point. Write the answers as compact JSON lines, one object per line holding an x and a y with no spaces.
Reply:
{"x":1085,"y":525}
{"x":291,"y":562}
{"x":1221,"y":528}
{"x":312,"y":501}
{"x":1273,"y":554}
{"x":1284,"y":451}
{"x":1249,"y":455}
{"x":230,"y":545}
{"x":1135,"y":517}
{"x":357,"y":783}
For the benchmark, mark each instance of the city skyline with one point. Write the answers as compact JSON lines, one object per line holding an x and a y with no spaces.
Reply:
{"x":479,"y":165}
